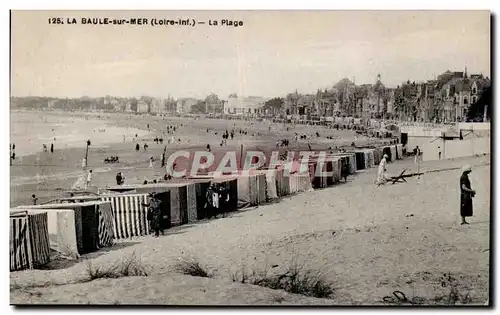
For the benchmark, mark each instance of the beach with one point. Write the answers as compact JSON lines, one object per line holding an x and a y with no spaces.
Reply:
{"x":48,"y":175}
{"x":30,"y":130}
{"x":368,"y":241}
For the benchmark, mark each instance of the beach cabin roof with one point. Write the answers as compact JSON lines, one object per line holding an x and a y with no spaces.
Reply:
{"x":64,"y":205}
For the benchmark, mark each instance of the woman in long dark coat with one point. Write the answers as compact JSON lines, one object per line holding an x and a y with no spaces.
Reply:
{"x":466,"y":194}
{"x":154,"y":214}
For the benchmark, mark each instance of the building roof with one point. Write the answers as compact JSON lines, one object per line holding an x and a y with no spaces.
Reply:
{"x":292,"y":96}
{"x":464,"y":85}
{"x":305,"y":100}
{"x":342,"y":84}
{"x":379,"y":86}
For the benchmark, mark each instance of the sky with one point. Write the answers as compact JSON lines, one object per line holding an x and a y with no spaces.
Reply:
{"x":272,"y":54}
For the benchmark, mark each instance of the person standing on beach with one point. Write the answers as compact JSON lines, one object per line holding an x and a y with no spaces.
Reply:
{"x":382,"y":168}
{"x":89,"y":179}
{"x":439,"y":152}
{"x":466,"y":194}
{"x":344,"y":171}
{"x":209,"y":203}
{"x":418,"y":153}
{"x":120,"y":179}
{"x":154,"y":214}
{"x":151,"y":162}
{"x":137,"y":147}
{"x":51,"y":148}
{"x":224,"y":200}
{"x":34,"y":199}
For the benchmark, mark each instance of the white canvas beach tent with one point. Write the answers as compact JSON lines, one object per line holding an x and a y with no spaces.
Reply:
{"x":61,"y":230}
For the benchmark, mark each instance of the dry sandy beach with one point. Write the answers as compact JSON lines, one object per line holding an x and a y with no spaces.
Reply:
{"x":47,"y":175}
{"x":368,"y":241}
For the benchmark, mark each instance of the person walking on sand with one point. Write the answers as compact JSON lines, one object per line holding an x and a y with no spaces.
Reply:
{"x":151,"y":162}
{"x":382,"y":168}
{"x":89,"y":179}
{"x":466,"y":194}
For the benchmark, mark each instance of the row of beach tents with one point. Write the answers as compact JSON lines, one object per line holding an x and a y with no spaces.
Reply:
{"x":74,"y":226}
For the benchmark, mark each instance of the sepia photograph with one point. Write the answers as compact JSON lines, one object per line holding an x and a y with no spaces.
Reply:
{"x":250,"y":158}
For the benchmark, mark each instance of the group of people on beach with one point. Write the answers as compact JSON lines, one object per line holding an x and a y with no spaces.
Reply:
{"x":217,"y":201}
{"x":225,"y":136}
{"x":217,"y":196}
{"x":112,"y":159}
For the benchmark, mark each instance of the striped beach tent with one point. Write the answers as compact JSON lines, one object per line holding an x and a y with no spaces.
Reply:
{"x":337,"y":163}
{"x":129,"y":216}
{"x":97,"y":223}
{"x":29,"y":240}
{"x":299,"y":182}
{"x":93,"y":223}
{"x":281,"y":188}
{"x":319,"y":169}
{"x":62,"y":231}
{"x":176,"y":199}
{"x":248,"y":190}
{"x":369,"y":158}
{"x":252,"y":185}
{"x":282,"y":184}
{"x":350,"y":157}
{"x":271,"y":187}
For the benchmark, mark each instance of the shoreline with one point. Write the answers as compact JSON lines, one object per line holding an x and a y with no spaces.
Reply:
{"x":46,"y":174}
{"x":72,"y":133}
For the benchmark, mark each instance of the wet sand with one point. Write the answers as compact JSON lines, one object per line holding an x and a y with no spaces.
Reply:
{"x":47,"y":175}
